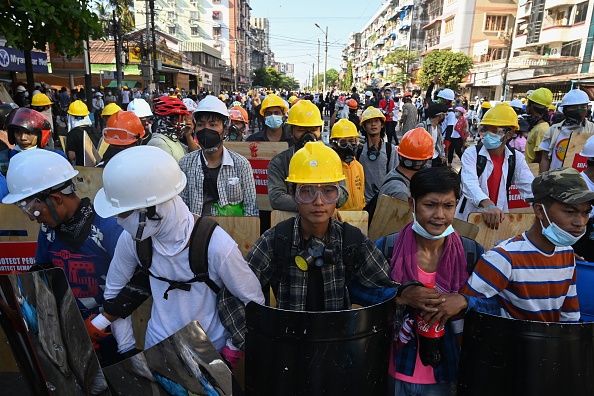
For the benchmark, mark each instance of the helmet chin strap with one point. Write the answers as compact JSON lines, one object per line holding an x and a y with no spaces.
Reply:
{"x":141,"y":224}
{"x":53,"y":211}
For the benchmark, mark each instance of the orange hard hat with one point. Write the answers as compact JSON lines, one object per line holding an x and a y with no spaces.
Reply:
{"x":123,"y":128}
{"x":352,"y":103}
{"x":407,"y":95}
{"x":416,"y":144}
{"x":238,"y":113}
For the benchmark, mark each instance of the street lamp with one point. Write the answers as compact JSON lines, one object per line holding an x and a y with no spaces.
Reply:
{"x":325,"y":56}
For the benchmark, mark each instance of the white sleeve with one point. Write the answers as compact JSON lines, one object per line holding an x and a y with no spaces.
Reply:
{"x":471,"y":186}
{"x":124,"y":334}
{"x":523,"y":177}
{"x":122,"y":266}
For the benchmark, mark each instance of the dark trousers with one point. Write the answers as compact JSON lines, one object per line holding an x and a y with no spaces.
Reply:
{"x":455,"y":144}
{"x":391,"y":132}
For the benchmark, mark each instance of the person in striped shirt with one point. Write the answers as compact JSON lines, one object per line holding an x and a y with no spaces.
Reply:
{"x":532,"y":276}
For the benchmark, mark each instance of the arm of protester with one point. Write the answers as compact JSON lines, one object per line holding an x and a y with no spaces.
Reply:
{"x":419,"y":297}
{"x":189,"y":134}
{"x":279,"y":197}
{"x":248,"y":187}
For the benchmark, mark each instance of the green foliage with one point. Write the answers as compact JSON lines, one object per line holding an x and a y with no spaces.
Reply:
{"x":331,"y":79}
{"x":453,"y":67}
{"x":270,"y":78}
{"x":347,"y":82}
{"x":402,"y":59}
{"x":64,"y":23}
{"x":289,"y":83}
{"x":123,"y":9}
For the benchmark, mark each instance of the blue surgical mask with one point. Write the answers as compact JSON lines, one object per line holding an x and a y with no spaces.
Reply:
{"x":556,"y":235}
{"x":491,"y":141}
{"x":274,"y":121}
{"x":418,"y":228}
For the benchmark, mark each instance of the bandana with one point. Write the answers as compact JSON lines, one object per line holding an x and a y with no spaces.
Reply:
{"x":75,"y":231}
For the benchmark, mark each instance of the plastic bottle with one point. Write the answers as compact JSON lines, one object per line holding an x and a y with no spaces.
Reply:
{"x":430,"y":340}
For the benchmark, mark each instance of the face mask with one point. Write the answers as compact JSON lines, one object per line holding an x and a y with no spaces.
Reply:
{"x":556,"y":235}
{"x":418,"y":228}
{"x":26,"y":94}
{"x":573,"y":117}
{"x":132,"y":225}
{"x":308,"y":137}
{"x":209,"y":140}
{"x":234,"y":134}
{"x":274,"y":121}
{"x":533,"y":120}
{"x":346,"y":154}
{"x":491,"y":141}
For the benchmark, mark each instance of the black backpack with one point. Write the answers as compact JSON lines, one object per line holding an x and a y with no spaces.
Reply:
{"x":472,"y":248}
{"x":481,"y":163}
{"x":199,"y":241}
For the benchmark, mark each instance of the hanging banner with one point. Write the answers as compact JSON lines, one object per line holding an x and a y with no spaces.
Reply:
{"x":16,"y":257}
{"x":14,"y":60}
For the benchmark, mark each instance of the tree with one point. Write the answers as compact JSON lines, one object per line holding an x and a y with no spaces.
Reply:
{"x":453,"y":67}
{"x":122,"y":8}
{"x":32,"y":24}
{"x":331,"y":79}
{"x":347,"y":82}
{"x":262,"y":78}
{"x":402,"y":59}
{"x":289,"y":83}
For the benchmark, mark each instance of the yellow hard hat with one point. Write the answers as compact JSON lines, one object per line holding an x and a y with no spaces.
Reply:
{"x":315,"y":163}
{"x":292,"y":98}
{"x":40,"y":100}
{"x":552,"y":107}
{"x":344,"y":129}
{"x":502,"y":115}
{"x":304,"y":113}
{"x":486,"y":105}
{"x":273,"y":101}
{"x":372,"y":112}
{"x":78,"y":108}
{"x":110,"y":109}
{"x":541,"y":96}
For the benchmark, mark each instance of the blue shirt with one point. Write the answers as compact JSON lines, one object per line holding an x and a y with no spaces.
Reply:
{"x":3,"y":187}
{"x":86,"y":268}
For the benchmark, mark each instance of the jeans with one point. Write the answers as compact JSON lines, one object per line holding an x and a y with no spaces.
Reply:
{"x":407,"y":389}
{"x":391,"y":132}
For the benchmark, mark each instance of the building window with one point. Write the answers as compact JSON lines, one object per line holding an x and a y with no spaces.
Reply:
{"x":560,"y":18}
{"x":216,"y":15}
{"x":172,"y":30}
{"x":170,"y":16}
{"x":194,"y":15}
{"x":216,"y":1}
{"x":580,"y":12}
{"x":195,"y":31}
{"x":449,"y":25}
{"x":495,"y":23}
{"x":571,"y":48}
{"x":216,"y":31}
{"x":451,"y":1}
{"x":171,"y":3}
{"x":492,"y":55}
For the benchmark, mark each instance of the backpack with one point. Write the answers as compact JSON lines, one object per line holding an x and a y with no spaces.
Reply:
{"x":372,"y":204}
{"x":472,"y":248}
{"x":481,"y":164}
{"x":198,"y":257}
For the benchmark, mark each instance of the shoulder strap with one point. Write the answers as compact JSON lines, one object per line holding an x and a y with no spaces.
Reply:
{"x":389,"y":155}
{"x":511,"y":168}
{"x":198,"y":254}
{"x":388,"y":245}
{"x":351,"y":241}
{"x":359,"y":151}
{"x":473,"y":251}
{"x":144,"y":250}
{"x":481,"y":160}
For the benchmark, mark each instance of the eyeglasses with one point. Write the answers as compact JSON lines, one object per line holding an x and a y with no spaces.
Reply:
{"x":308,"y":193}
{"x":30,"y":207}
{"x":347,"y":142}
{"x":119,"y":136}
{"x":501,"y":131}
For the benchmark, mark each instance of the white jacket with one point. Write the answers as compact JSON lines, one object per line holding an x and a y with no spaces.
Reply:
{"x":475,"y":189}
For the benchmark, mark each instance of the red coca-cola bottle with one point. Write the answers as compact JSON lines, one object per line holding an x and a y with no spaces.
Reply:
{"x":430,"y":340}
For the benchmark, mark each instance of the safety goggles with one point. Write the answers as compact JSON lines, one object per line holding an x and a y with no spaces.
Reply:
{"x":347,"y":142}
{"x":119,"y":136}
{"x":308,"y":193}
{"x":501,"y":131}
{"x":236,"y":115}
{"x":30,"y":206}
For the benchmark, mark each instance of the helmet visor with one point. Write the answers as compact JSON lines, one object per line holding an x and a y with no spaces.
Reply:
{"x":119,"y":136}
{"x":30,"y":206}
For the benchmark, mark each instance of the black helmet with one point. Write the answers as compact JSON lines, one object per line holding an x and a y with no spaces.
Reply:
{"x":5,"y":109}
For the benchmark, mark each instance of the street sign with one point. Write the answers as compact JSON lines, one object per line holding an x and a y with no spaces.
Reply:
{"x":111,"y":75}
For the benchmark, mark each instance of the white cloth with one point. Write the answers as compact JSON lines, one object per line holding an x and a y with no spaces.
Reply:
{"x":170,"y":260}
{"x":434,"y":131}
{"x":590,"y":184}
{"x":475,"y":188}
{"x":560,"y":147}
{"x":73,"y":122}
{"x":125,"y":97}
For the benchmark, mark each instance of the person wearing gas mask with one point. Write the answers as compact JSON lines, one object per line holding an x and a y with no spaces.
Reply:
{"x":306,"y":125}
{"x":172,"y":130}
{"x":273,"y":110}
{"x":490,"y":168}
{"x":537,"y":116}
{"x":555,"y":141}
{"x":21,"y":97}
{"x":239,"y":123}
{"x":345,"y":141}
{"x":220,"y":181}
{"x":376,"y":156}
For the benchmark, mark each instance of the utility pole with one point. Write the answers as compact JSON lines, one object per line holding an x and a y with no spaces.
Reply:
{"x":312,"y":74}
{"x":318,"y":76}
{"x":118,"y":50}
{"x":508,"y":42}
{"x":154,"y":44}
{"x":325,"y":62}
{"x":148,"y":45}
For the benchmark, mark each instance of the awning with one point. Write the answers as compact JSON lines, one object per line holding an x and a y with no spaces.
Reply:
{"x":114,"y":84}
{"x":406,"y":7}
{"x":404,"y":27}
{"x":438,"y":19}
{"x":563,"y":78}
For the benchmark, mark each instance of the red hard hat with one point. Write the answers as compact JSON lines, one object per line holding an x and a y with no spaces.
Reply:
{"x":31,"y":121}
{"x":168,"y":105}
{"x":352,"y":103}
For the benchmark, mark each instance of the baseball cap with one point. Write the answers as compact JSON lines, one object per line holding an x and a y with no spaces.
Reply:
{"x":563,"y":184}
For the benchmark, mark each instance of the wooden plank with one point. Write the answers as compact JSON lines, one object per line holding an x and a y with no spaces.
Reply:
{"x":392,"y":214}
{"x":263,"y":202}
{"x":357,"y":218}
{"x":140,"y":319}
{"x":244,"y":230}
{"x":573,"y":158}
{"x":513,"y":224}
{"x":63,"y":143}
{"x":88,"y":181}
{"x":534,"y":168}
{"x":16,"y":226}
{"x":103,"y":146}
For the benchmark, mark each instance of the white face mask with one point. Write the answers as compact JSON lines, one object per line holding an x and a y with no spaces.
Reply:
{"x":419,"y":229}
{"x":132,"y":225}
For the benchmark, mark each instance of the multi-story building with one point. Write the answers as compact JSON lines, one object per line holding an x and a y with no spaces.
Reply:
{"x":261,"y":55}
{"x":284,"y":68}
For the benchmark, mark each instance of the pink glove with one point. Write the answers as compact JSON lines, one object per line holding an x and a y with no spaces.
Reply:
{"x":231,"y":356}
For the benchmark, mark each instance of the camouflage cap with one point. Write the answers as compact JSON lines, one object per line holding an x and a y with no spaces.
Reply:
{"x":564,"y":184}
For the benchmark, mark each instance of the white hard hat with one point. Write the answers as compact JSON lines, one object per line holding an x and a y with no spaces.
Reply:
{"x":517,"y":103}
{"x":575,"y":97}
{"x":529,"y":92}
{"x":368,"y":93}
{"x":21,"y":88}
{"x":588,"y":149}
{"x":446,"y":94}
{"x":34,"y":171}
{"x":129,"y":181}
{"x":212,"y":104}
{"x":190,"y":104}
{"x":140,"y":107}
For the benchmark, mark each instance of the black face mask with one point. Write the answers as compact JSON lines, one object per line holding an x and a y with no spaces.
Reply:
{"x":308,"y":137}
{"x":234,"y":134}
{"x":574,"y":117}
{"x":347,"y":154}
{"x":209,"y":140}
{"x":533,"y":120}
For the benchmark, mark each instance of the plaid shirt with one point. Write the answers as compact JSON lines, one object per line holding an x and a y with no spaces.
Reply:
{"x":371,"y":271}
{"x":235,"y":183}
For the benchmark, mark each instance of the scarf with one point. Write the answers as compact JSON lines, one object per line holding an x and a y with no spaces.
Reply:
{"x":451,"y":269}
{"x":75,"y":231}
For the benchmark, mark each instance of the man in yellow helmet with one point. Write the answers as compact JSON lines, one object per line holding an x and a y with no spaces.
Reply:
{"x":345,"y":141}
{"x":273,"y":110}
{"x":489,"y":170}
{"x":306,"y":126}
{"x":537,"y":115}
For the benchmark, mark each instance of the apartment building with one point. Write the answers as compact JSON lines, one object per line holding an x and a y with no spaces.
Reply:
{"x":261,"y":54}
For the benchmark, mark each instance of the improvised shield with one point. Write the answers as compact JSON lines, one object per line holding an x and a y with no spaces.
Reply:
{"x":45,"y":330}
{"x":311,"y":353}
{"x":503,"y":356}
{"x":184,"y":362}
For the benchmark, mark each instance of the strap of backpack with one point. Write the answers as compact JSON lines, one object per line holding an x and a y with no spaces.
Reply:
{"x":389,"y":155}
{"x":198,"y":254}
{"x":387,"y":247}
{"x":283,"y":241}
{"x":511,"y":168}
{"x":352,"y":239}
{"x":359,"y":151}
{"x":473,"y":251}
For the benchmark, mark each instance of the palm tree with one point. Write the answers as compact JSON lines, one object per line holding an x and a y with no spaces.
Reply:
{"x":123,"y":9}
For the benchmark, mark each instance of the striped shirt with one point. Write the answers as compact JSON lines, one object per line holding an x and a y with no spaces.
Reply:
{"x":527,"y":283}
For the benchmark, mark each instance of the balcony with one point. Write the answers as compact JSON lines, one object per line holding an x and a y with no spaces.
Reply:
{"x":549,"y":4}
{"x":434,"y":13}
{"x":560,"y":33}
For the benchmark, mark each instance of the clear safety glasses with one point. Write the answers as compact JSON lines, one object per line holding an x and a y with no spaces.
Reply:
{"x":501,"y":131}
{"x":30,"y":206}
{"x":308,"y":193}
{"x":348,"y":142}
{"x":119,"y":136}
